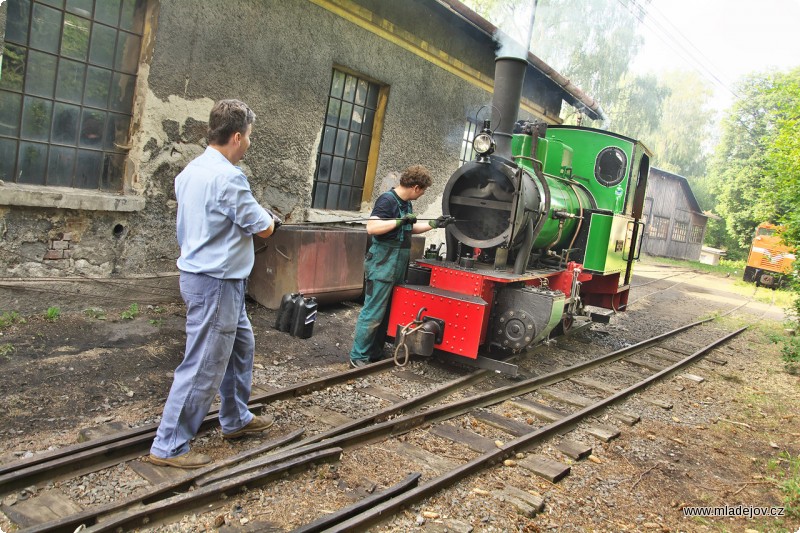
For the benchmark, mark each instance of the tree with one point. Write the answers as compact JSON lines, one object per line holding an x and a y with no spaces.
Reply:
{"x":755,"y":168}
{"x":592,"y":42}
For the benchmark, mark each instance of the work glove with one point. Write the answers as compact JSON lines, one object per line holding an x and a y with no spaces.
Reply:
{"x":410,"y":218}
{"x":276,"y":220}
{"x":441,"y":222}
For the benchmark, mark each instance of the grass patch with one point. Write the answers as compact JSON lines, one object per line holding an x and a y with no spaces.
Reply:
{"x":9,"y":318}
{"x":95,"y":312}
{"x":131,"y":313}
{"x":785,"y":473}
{"x":52,"y":314}
{"x":6,"y":350}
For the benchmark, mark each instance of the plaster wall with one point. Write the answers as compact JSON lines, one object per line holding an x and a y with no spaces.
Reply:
{"x":277,"y":57}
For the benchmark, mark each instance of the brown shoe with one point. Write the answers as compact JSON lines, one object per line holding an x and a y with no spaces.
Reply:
{"x":256,"y":425}
{"x":189,"y":460}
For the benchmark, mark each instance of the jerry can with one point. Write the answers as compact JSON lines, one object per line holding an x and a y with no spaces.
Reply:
{"x":287,"y":311}
{"x":304,"y":319}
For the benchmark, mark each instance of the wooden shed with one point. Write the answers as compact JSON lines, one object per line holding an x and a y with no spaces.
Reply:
{"x":676,"y":225}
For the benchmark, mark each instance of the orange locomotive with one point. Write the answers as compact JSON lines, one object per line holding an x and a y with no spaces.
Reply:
{"x":770,"y":260}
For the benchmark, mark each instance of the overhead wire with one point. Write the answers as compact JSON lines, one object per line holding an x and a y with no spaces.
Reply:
{"x":667,"y":36}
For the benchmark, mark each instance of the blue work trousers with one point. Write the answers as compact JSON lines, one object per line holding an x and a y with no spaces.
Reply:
{"x":384,"y":267}
{"x":219,"y":357}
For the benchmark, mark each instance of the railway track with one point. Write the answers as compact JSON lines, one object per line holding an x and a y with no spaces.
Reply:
{"x":470,"y":410}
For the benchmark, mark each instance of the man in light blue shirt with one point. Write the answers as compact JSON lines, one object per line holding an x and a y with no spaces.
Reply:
{"x":217,"y":218}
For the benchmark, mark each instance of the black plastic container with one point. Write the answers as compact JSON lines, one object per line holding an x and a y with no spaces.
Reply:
{"x":304,"y":318}
{"x":287,"y":311}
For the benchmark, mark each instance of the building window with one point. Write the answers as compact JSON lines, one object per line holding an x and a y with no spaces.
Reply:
{"x":658,"y":229}
{"x":346,"y":141}
{"x":696,"y":235}
{"x":467,"y":153}
{"x":66,"y":91}
{"x":679,"y":231}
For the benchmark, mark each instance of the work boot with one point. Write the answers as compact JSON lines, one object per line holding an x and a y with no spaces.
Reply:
{"x":256,"y":425}
{"x":188,"y":461}
{"x":358,"y":363}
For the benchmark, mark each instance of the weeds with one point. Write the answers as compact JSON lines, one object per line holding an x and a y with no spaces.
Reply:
{"x":787,"y":481}
{"x":10,"y":318}
{"x":131,"y":313}
{"x":95,"y":312}
{"x":157,"y":322}
{"x":52,"y":314}
{"x":6,"y":350}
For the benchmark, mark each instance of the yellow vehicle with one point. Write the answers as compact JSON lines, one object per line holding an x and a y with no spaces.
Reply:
{"x":770,"y":260}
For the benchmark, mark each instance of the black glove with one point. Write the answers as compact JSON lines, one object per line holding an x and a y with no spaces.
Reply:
{"x":441,"y":222}
{"x":407,"y":219}
{"x":275,"y":220}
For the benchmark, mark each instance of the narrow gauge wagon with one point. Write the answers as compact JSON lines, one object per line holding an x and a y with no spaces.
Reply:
{"x":769,"y":260}
{"x":547,"y":227}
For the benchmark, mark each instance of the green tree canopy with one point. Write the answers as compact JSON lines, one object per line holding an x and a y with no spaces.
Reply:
{"x":756,"y":165}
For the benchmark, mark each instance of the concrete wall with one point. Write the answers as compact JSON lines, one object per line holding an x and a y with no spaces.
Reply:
{"x":277,"y":57}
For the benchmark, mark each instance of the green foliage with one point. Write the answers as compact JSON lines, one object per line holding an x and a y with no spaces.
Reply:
{"x":9,"y":318}
{"x":95,"y":312}
{"x":131,"y":313}
{"x":52,"y":314}
{"x":6,"y":350}
{"x":680,"y":143}
{"x":157,"y":322}
{"x":755,"y":167}
{"x":788,"y":481}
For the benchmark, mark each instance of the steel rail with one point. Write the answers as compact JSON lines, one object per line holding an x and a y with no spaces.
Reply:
{"x":354,"y":433}
{"x":408,"y":422}
{"x":388,"y":508}
{"x":136,"y":440}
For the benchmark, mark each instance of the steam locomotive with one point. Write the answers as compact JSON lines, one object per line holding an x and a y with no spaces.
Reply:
{"x":548,"y":225}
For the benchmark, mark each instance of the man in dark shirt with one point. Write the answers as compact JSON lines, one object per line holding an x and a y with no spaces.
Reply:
{"x":391,"y":224}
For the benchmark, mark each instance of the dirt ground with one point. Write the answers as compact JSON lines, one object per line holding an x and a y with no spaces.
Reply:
{"x":731,"y":440}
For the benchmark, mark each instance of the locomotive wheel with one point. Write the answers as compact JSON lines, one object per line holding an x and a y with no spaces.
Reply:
{"x":563,"y":327}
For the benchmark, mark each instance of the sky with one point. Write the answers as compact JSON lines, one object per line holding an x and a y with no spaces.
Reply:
{"x":729,"y":38}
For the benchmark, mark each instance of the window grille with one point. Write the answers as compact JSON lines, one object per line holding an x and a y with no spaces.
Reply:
{"x":696,"y":235}
{"x":345,"y":145}
{"x":66,"y":91}
{"x":679,"y":231}
{"x":658,"y":228}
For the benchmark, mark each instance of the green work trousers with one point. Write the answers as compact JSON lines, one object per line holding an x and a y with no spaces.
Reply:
{"x":384,"y":267}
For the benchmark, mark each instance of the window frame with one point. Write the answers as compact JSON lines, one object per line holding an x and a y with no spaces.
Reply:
{"x":471,"y":129}
{"x":696,"y":234}
{"x":680,"y":231}
{"x":659,"y":228}
{"x":327,"y":148}
{"x":114,"y":145}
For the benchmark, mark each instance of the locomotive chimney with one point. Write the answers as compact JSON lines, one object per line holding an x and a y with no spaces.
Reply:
{"x":509,"y":73}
